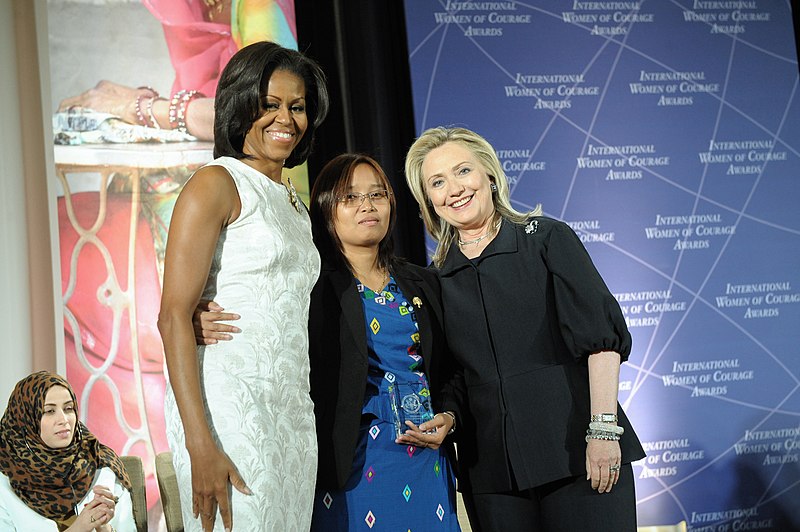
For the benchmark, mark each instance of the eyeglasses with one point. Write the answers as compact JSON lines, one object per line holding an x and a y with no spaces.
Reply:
{"x":356,"y":199}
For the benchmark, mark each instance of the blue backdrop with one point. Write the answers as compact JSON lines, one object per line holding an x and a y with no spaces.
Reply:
{"x":667,"y":134}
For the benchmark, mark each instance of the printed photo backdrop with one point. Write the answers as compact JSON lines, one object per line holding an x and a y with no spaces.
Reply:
{"x":119,"y":178}
{"x":667,"y":134}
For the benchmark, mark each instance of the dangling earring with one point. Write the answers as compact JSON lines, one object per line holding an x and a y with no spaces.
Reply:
{"x":493,"y":187}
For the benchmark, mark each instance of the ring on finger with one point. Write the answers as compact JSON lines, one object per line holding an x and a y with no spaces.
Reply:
{"x":614,"y":468}
{"x":92,"y":519}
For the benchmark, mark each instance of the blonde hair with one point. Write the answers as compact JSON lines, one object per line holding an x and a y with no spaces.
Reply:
{"x":441,"y":231}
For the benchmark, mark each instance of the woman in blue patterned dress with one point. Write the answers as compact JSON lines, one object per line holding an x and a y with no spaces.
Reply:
{"x":377,"y":353}
{"x":377,"y":358}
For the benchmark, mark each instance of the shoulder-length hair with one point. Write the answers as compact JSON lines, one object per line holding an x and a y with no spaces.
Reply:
{"x":241,"y":95}
{"x":441,"y":231}
{"x":333,"y":181}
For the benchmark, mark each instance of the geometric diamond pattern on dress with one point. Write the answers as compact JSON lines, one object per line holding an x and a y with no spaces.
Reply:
{"x":327,"y":500}
{"x":374,"y":431}
{"x":393,"y":357}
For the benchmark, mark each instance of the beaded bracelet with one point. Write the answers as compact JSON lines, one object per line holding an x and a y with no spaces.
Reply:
{"x":139,"y":114}
{"x":172,"y":114}
{"x":600,"y":435}
{"x":150,"y":113}
{"x":177,"y":108}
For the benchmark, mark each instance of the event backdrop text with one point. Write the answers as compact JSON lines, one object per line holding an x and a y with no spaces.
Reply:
{"x":667,"y":134}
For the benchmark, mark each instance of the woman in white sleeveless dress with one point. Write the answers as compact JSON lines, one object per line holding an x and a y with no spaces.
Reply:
{"x":239,"y":416}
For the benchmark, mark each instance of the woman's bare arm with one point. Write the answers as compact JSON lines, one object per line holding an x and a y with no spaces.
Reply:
{"x":207,"y":204}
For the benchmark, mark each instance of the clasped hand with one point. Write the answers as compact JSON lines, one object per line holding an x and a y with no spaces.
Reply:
{"x":429,"y":434}
{"x":97,"y":513}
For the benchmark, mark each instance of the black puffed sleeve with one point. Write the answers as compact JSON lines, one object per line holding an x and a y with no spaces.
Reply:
{"x":589,"y":317}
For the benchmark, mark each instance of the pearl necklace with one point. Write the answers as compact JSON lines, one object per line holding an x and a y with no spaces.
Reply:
{"x":482,"y":237}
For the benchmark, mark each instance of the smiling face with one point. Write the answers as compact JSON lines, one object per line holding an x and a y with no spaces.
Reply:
{"x":58,"y":418}
{"x":458,"y":187}
{"x":283,"y":122}
{"x":363,"y":225}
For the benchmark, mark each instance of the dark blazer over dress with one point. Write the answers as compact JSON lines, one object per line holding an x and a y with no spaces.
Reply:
{"x":339,"y":358}
{"x":522,"y":320}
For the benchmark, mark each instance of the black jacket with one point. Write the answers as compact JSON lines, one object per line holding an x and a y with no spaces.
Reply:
{"x":522,"y":320}
{"x":338,"y":354}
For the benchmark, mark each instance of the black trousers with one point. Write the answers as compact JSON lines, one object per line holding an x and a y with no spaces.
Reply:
{"x":568,"y":505}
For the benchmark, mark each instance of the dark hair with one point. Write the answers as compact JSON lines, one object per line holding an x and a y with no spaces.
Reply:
{"x":331,"y":183}
{"x":242,"y":89}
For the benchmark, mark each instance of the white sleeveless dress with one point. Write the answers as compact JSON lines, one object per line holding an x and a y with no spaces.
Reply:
{"x":256,"y":387}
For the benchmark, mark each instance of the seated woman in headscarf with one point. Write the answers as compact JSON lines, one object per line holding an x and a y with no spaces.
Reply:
{"x":55,"y":474}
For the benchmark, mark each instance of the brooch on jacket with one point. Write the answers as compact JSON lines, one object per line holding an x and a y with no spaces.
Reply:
{"x":417,"y":301}
{"x":532,"y":226}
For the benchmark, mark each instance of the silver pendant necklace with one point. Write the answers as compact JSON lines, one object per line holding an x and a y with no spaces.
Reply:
{"x":482,"y":237}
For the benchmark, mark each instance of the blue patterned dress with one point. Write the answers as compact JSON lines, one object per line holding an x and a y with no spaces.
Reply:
{"x":392,"y":487}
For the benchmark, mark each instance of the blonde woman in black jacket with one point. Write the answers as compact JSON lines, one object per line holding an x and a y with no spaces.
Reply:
{"x":543,"y":443}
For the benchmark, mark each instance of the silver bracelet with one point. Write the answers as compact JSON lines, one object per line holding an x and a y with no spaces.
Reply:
{"x":606,"y":427}
{"x":601,"y":435}
{"x":453,"y":417}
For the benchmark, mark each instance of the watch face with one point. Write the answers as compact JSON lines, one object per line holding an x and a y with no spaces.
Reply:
{"x":605,"y":418}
